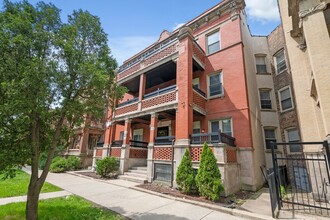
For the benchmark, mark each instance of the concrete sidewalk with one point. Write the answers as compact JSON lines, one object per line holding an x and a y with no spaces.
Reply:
{"x":119,"y":196}
{"x":50,"y":195}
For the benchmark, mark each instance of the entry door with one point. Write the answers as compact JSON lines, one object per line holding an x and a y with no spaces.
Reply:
{"x":301,"y":178}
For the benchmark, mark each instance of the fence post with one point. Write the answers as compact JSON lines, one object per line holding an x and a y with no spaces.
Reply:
{"x":277,"y":186}
{"x":327,"y":151}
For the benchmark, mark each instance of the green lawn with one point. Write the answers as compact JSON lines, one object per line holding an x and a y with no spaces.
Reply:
{"x":19,"y":184}
{"x":70,"y":207}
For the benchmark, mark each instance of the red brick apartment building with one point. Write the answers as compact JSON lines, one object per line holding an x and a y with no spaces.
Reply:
{"x":196,"y":84}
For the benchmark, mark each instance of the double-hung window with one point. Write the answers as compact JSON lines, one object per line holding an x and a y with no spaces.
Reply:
{"x":215,"y":84}
{"x":292,"y":137}
{"x":285,"y":99}
{"x":265,"y":100}
{"x":261,"y":64}
{"x":280,"y":62}
{"x":213,"y":42}
{"x":270,"y":136}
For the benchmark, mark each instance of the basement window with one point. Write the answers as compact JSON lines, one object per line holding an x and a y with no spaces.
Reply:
{"x":162,"y":172}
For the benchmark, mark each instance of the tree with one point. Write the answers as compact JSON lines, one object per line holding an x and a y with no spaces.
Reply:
{"x":208,"y":178}
{"x":52,"y":75}
{"x":185,"y":177}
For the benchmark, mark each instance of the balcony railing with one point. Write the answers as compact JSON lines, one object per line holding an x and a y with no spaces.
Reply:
{"x":140,"y":144}
{"x":165,"y":140}
{"x":159,"y":92}
{"x":128,"y":102}
{"x":213,"y":137}
{"x":117,"y":143}
{"x":199,"y":91}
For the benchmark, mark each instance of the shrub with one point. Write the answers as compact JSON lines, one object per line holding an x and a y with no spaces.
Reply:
{"x":58,"y":165}
{"x":208,"y":178}
{"x":72,"y":163}
{"x":185,"y":174}
{"x":106,"y":166}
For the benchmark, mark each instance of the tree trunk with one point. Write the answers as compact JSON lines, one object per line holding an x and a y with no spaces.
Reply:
{"x":32,"y":202}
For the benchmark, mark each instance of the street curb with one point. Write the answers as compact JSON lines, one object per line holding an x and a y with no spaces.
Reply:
{"x":234,"y":212}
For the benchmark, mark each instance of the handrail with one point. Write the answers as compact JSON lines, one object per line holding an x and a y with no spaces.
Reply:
{"x":199,"y":91}
{"x":117,"y":143}
{"x":213,"y":137}
{"x":141,"y":144}
{"x":128,"y":102}
{"x":164,"y":140}
{"x":160,"y":92}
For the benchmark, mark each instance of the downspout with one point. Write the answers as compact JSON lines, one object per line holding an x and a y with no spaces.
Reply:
{"x":172,"y":163}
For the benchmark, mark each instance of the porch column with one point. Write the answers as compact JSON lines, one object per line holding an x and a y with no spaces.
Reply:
{"x":125,"y":147}
{"x":107,"y":136}
{"x":153,"y":134}
{"x":142,"y":89}
{"x":111,"y":137}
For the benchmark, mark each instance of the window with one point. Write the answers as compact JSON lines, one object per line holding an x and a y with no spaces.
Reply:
{"x":293,"y":136}
{"x":138,"y":134}
{"x":224,"y":125}
{"x":76,"y":142}
{"x":197,"y":127}
{"x":213,"y":42}
{"x":92,"y":141}
{"x":280,"y":62}
{"x":285,"y":99}
{"x":121,"y":136}
{"x":196,"y":83}
{"x":265,"y":100}
{"x":270,"y":136}
{"x":215,"y":85}
{"x":162,"y":172}
{"x":261,"y":64}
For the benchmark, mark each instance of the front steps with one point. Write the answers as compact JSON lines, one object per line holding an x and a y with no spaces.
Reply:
{"x":135,"y":174}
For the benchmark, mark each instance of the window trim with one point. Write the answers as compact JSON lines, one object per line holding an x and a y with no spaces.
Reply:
{"x":197,"y":81}
{"x":264,"y":133}
{"x":221,"y":119}
{"x":280,"y":100}
{"x":270,"y":98}
{"x":275,"y":61}
{"x":207,"y":43}
{"x":208,"y":85}
{"x":286,"y":134}
{"x":264,"y":58}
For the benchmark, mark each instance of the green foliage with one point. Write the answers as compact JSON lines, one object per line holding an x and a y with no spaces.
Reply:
{"x":283,"y":191}
{"x":208,"y":178}
{"x":18,"y":185}
{"x":73,"y":163}
{"x":106,"y":166}
{"x":61,"y":164}
{"x":185,"y":177}
{"x":70,"y":207}
{"x":58,"y":165}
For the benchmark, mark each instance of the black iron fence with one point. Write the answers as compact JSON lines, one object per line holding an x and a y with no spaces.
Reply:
{"x":140,"y":144}
{"x":306,"y":187}
{"x":117,"y":143}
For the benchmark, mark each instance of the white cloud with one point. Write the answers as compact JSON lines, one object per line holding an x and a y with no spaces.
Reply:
{"x":263,"y":10}
{"x":123,"y":48}
{"x":177,"y":25}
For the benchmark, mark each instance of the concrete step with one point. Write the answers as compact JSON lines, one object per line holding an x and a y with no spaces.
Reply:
{"x":138,"y":168}
{"x":139,"y":175}
{"x":133,"y":178}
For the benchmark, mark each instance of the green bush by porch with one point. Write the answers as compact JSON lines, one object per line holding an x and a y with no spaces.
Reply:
{"x":61,"y":164}
{"x":107,"y":166}
{"x":185,"y":174}
{"x":70,"y":207}
{"x":18,"y":185}
{"x":208,"y":178}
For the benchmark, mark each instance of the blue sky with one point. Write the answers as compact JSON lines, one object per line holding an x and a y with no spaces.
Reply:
{"x":132,"y":25}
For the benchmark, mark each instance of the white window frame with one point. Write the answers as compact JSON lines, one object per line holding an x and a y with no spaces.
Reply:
{"x":280,"y":99}
{"x":275,"y":62}
{"x":287,"y":139}
{"x":220,"y":124}
{"x":270,"y":98}
{"x":275,"y":132}
{"x":197,"y":125}
{"x":265,"y":63}
{"x":138,"y":132}
{"x":217,"y":31}
{"x":208,"y":85}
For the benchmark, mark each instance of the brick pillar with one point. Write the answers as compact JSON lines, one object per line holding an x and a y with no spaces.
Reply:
{"x":184,"y":113}
{"x":109,"y":126}
{"x":153,"y":134}
{"x":125,"y":147}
